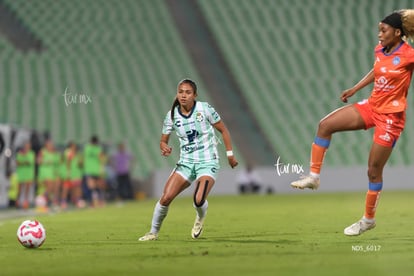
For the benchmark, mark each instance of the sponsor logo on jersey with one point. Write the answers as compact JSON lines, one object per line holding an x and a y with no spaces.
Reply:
{"x":396,"y":60}
{"x":179,"y":123}
{"x":382,"y":84}
{"x":382,"y":80}
{"x":192,"y":147}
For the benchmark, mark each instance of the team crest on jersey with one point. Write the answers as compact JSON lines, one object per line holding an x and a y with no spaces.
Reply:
{"x":199,"y":117}
{"x":396,"y":61}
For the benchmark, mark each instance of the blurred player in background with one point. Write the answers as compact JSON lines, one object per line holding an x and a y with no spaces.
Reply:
{"x":93,"y":159}
{"x":194,"y":123}
{"x":384,"y":110}
{"x":63,"y":174}
{"x":72,"y":185}
{"x":25,"y":161}
{"x":122,"y":162}
{"x":48,"y":160}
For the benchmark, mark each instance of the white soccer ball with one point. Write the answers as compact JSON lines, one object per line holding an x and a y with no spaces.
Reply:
{"x":31,"y":234}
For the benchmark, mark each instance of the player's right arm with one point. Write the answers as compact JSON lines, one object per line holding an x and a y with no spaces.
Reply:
{"x":167,"y":128}
{"x":367,"y":79}
{"x":164,"y":147}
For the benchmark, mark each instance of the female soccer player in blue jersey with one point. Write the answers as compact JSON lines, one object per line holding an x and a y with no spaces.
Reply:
{"x":194,"y":122}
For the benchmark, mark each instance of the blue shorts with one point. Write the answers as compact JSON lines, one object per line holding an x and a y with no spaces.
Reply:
{"x":191,"y":171}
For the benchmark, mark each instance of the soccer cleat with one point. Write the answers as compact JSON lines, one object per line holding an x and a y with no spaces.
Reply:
{"x":308,"y":182}
{"x":197,"y":228}
{"x":149,"y":237}
{"x":359,"y":227}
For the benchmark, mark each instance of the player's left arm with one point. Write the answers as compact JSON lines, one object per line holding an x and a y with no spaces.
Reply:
{"x":221,"y":127}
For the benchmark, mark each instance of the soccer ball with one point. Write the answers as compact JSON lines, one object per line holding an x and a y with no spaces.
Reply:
{"x":31,"y":234}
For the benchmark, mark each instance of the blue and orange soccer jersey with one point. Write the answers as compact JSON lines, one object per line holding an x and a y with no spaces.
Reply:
{"x":393,"y":73}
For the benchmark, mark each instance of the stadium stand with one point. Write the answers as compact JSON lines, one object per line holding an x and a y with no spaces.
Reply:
{"x":126,"y":56}
{"x":291,"y":58}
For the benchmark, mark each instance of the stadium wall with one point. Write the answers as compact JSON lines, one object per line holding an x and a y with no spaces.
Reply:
{"x":346,"y":179}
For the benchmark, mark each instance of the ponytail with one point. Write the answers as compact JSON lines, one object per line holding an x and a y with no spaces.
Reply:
{"x":175,"y":103}
{"x":407,"y":18}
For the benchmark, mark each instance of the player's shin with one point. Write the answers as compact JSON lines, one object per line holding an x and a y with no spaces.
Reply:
{"x":319,"y":148}
{"x":160,"y":212}
{"x":372,"y":199}
{"x":201,"y":210}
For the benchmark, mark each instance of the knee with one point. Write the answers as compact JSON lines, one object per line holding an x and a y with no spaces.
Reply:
{"x":199,"y":199}
{"x":200,"y":193}
{"x":324,"y":127}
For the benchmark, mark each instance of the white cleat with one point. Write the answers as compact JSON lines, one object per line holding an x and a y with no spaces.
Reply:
{"x":197,"y":228}
{"x":149,"y":237}
{"x":308,"y":182}
{"x":359,"y":227}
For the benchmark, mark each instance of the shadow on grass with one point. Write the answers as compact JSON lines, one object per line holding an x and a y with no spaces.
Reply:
{"x":252,"y":239}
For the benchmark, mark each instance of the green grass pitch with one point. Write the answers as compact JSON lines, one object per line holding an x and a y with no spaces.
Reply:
{"x":297,"y":234}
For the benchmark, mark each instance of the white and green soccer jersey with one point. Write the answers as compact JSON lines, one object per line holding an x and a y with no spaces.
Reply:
{"x":198,"y":142}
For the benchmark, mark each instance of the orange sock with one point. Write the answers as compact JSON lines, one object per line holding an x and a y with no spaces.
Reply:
{"x":317,"y":156}
{"x":371,"y":203}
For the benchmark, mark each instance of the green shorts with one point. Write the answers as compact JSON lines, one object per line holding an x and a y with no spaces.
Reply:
{"x":25,"y":175}
{"x":46,"y":173}
{"x":191,"y":171}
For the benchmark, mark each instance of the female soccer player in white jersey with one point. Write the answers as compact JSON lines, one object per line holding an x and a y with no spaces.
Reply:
{"x":194,"y":122}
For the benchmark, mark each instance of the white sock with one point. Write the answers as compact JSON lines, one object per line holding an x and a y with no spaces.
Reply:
{"x":160,"y":212}
{"x":368,"y":220}
{"x":314,"y":175}
{"x":201,"y":211}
